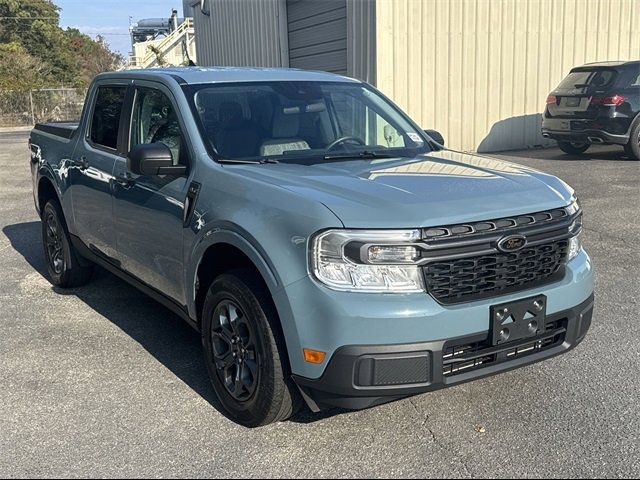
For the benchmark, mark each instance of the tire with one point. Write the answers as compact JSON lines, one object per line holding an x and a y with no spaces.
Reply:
{"x":64,"y":264}
{"x":632,"y":149}
{"x":241,"y":339}
{"x":573,"y":148}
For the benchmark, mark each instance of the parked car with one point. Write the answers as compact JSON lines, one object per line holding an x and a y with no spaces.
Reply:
{"x":596,"y":103}
{"x":328,"y":250}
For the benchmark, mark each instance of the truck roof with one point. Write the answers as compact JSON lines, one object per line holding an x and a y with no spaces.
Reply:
{"x":198,"y":75}
{"x":609,"y":64}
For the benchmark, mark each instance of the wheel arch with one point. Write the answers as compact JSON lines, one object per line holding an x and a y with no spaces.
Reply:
{"x":46,"y":191}
{"x":220,"y":251}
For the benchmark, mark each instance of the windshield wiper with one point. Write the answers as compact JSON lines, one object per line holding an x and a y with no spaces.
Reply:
{"x":237,"y":161}
{"x":366,"y":154}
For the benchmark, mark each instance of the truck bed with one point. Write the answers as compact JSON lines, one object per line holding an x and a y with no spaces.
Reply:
{"x":60,"y":129}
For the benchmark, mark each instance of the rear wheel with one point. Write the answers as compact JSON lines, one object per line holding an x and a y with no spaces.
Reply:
{"x":244,"y":351}
{"x":632,"y":149}
{"x":573,"y":148}
{"x":66,"y":269}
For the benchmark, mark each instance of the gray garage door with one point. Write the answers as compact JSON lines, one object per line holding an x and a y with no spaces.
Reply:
{"x":318,"y":34}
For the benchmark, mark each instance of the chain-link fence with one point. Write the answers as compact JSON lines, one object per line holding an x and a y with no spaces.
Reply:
{"x":48,"y":104}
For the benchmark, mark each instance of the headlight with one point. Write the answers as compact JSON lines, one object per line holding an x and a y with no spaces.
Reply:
{"x":575,"y":242}
{"x":374,"y":261}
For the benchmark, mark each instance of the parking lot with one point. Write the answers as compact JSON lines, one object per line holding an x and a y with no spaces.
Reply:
{"x":102,"y":381}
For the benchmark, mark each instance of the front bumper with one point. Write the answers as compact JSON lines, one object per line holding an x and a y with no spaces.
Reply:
{"x":362,"y":376}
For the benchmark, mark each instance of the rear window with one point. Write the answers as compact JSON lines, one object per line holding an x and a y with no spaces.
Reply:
{"x":106,"y":116}
{"x":598,"y":78}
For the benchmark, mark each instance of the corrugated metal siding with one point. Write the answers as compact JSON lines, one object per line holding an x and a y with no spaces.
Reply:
{"x":240,"y":33}
{"x":479,"y":71}
{"x":361,"y":40}
{"x":318,"y":35}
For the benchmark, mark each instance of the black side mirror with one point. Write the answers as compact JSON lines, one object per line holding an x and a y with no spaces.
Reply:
{"x":435,"y":136}
{"x":153,"y":159}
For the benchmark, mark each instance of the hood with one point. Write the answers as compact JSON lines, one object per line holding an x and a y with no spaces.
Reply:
{"x":437,"y":188}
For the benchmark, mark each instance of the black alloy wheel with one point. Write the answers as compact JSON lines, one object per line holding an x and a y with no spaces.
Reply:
{"x":234,"y":350}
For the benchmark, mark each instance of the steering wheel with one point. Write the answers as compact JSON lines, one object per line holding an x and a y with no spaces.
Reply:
{"x":342,"y":140}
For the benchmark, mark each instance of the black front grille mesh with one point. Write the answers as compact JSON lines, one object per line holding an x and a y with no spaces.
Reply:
{"x":452,"y":281}
{"x":502,"y":224}
{"x":466,"y":357}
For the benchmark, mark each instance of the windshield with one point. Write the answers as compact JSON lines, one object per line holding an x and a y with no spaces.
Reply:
{"x":293,"y":120}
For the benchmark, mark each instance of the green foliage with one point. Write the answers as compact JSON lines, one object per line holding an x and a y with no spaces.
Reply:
{"x":32,"y":42}
{"x":160,"y":56}
{"x":20,"y":71}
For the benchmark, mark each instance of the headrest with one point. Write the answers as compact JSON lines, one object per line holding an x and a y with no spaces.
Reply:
{"x":285,"y":125}
{"x":230,"y":113}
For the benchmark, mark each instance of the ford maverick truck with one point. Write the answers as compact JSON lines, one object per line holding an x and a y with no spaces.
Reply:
{"x":330,"y":252}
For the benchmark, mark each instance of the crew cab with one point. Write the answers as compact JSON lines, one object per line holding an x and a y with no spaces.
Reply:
{"x":597,"y":103}
{"x":329,"y":251}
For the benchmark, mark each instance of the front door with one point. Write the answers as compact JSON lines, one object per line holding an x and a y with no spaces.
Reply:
{"x":149,"y":210}
{"x":91,"y":168}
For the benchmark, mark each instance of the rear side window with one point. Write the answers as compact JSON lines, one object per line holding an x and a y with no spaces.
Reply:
{"x":106,"y":116}
{"x":597,"y":78}
{"x":635,"y":79}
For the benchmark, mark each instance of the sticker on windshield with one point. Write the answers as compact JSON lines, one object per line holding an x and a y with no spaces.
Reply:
{"x":415,"y":137}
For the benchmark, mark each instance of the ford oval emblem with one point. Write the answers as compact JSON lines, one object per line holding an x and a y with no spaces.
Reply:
{"x":512,"y":243}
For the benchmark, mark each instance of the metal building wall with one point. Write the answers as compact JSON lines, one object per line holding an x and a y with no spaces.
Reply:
{"x":241,"y":33}
{"x":479,"y":71}
{"x":255,"y":33}
{"x":318,"y":35}
{"x":361,"y":40}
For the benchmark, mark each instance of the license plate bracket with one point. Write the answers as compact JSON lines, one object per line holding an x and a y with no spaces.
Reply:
{"x":513,"y":321}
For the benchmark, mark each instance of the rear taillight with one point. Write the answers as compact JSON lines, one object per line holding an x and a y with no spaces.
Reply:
{"x":551,"y":99}
{"x":608,"y":101}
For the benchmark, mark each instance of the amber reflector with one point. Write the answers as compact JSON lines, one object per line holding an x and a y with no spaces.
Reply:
{"x":313,"y":356}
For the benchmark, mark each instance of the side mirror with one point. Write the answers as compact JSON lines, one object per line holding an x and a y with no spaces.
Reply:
{"x":435,"y":136}
{"x":153,"y":159}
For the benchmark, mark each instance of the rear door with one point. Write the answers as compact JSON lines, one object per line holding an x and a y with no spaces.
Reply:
{"x":91,"y":169}
{"x":149,"y":210}
{"x":573,"y":95}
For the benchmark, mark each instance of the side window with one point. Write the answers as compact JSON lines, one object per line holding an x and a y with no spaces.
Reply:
{"x":106,"y":116}
{"x":154,"y":120}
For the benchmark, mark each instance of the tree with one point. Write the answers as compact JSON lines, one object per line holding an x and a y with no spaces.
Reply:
{"x":20,"y":71}
{"x":30,"y":29}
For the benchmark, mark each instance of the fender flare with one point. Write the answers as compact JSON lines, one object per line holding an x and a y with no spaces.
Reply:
{"x":45,"y":173}
{"x":242,"y":241}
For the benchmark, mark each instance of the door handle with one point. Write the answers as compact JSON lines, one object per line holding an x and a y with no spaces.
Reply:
{"x":125,"y":180}
{"x":81,"y":163}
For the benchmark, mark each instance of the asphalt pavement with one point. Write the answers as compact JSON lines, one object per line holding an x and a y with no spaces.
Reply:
{"x":102,"y":381}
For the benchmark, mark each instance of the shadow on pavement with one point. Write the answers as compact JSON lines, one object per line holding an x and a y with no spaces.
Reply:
{"x":609,"y":153}
{"x":160,"y":332}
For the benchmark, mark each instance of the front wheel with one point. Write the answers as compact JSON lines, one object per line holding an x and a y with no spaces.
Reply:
{"x":244,"y":351}
{"x":573,"y":148}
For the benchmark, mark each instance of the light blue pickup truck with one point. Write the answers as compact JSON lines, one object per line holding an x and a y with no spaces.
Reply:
{"x":330,"y":251}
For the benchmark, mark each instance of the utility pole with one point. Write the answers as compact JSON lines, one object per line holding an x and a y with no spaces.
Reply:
{"x":33,"y":115}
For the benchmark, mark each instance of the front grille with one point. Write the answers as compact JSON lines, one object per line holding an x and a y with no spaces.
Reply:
{"x":498,"y":225}
{"x":465,"y":262}
{"x":457,"y":280}
{"x":466,"y":357}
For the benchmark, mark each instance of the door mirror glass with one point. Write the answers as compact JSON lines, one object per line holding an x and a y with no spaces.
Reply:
{"x":153,"y":159}
{"x":435,"y":136}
